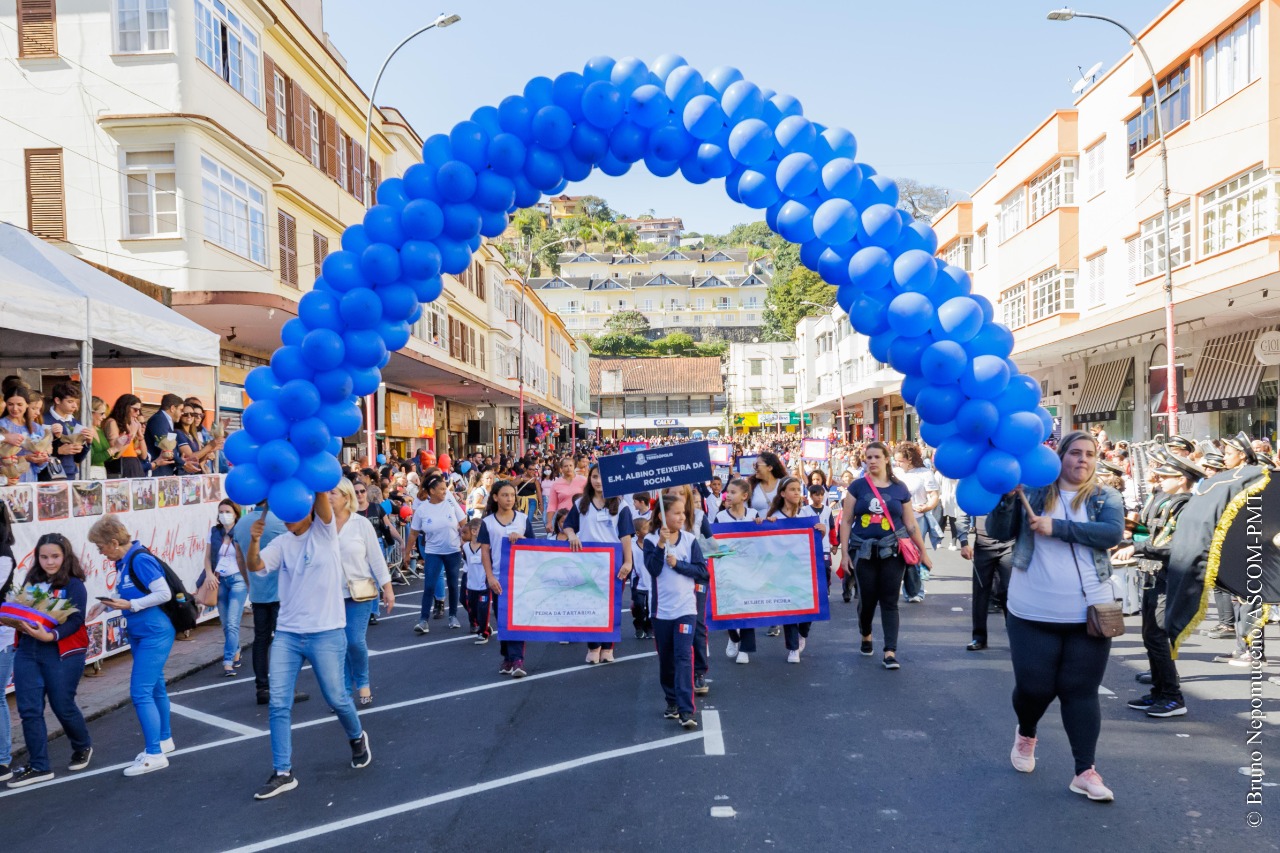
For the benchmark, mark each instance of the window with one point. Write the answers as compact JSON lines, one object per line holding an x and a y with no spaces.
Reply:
{"x":648,"y":305}
{"x":316,"y":148}
{"x":700,"y":303}
{"x":319,"y":250}
{"x":151,"y":200}
{"x":46,"y":198}
{"x":982,"y":247}
{"x":788,"y":396}
{"x":1053,"y":188}
{"x":37,"y":29}
{"x":751,"y":302}
{"x":281,"y":107}
{"x":1175,"y":108}
{"x":1152,"y":236}
{"x":757,"y":397}
{"x":656,"y":406}
{"x":960,"y":253}
{"x":142,"y":26}
{"x":571,"y":307}
{"x":1013,"y":306}
{"x":1239,"y":210}
{"x":235,"y":214}
{"x":595,"y":306}
{"x":1233,"y":60}
{"x":1052,"y":291}
{"x":757,"y":367}
{"x":288,"y":234}
{"x":722,"y":303}
{"x":1011,"y":210}
{"x":1096,"y":279}
{"x":788,"y":366}
{"x":344,"y":175}
{"x":1095,"y":170}
{"x":229,"y":47}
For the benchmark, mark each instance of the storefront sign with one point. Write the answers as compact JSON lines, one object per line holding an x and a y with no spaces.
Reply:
{"x":666,"y":422}
{"x":410,"y":415}
{"x":1266,"y":349}
{"x":655,"y":468}
{"x":231,"y":398}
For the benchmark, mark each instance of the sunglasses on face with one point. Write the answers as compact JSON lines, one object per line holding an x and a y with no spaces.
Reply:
{"x":360,"y":491}
{"x":135,"y":408}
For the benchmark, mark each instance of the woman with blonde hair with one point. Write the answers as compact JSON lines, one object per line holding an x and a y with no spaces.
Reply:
{"x":367,"y":577}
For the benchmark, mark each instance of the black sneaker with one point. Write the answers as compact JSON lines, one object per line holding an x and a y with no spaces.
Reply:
{"x":639,"y":634}
{"x":438,"y":613}
{"x":80,"y":759}
{"x":890,"y":662}
{"x":27,"y":776}
{"x":6,"y":772}
{"x":277,"y":784}
{"x":773,"y":632}
{"x":700,"y":686}
{"x":1143,"y":703}
{"x":264,"y":696}
{"x":361,"y":753}
{"x":687,"y":721}
{"x":672,"y":713}
{"x":867,"y":648}
{"x":1167,"y":708}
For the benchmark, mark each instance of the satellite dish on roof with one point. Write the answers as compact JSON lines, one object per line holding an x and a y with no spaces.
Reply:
{"x":1086,"y":79}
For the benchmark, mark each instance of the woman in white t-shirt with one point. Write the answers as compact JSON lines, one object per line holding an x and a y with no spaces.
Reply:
{"x":436,"y":527}
{"x":768,"y":471}
{"x":1062,"y":534}
{"x":362,"y":561}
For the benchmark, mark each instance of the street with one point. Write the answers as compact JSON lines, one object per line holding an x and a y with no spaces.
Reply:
{"x":834,"y":753}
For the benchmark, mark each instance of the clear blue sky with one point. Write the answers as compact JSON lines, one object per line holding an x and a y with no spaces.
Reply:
{"x":937,"y":90}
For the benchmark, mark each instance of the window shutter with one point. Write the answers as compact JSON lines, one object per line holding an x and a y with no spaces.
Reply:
{"x":288,"y":235}
{"x":329,"y":127}
{"x":37,"y":29}
{"x":269,"y":77}
{"x":357,"y":170}
{"x":304,"y":147}
{"x":46,"y":207}
{"x":375,"y":176}
{"x":299,"y":133}
{"x":319,"y":250}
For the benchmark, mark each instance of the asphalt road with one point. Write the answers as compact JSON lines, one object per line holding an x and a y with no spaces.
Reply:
{"x":833,"y":753}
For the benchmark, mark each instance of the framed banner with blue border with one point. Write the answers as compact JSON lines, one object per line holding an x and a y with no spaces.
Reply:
{"x":772,"y":574}
{"x":551,"y":593}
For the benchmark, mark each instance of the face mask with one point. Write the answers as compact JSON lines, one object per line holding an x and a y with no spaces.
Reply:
{"x":226,"y":518}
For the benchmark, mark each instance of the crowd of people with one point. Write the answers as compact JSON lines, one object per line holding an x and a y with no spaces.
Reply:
{"x":1053,"y":561}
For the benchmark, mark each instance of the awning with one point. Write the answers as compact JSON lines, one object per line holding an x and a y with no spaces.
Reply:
{"x":1101,"y":393}
{"x":1228,"y":373}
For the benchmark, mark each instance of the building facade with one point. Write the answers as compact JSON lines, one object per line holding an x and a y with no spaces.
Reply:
{"x":653,"y":229}
{"x":649,"y":397}
{"x":763,"y":381}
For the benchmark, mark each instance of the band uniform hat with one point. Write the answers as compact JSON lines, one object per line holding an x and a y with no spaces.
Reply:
{"x":1241,"y":443}
{"x":1266,"y":461}
{"x":1110,"y":468}
{"x":1181,"y":442}
{"x":1176,"y":466}
{"x":1158,"y":455}
{"x":1214,"y":460}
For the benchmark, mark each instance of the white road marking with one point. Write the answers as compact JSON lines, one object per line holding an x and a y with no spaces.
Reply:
{"x":479,"y":788}
{"x":1103,"y":691}
{"x":723,"y":811}
{"x":713,"y":735}
{"x":211,"y":720}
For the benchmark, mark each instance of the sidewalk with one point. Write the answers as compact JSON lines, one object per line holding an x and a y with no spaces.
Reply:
{"x":110,"y":690}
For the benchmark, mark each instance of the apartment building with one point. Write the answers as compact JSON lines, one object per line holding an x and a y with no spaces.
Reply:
{"x":656,"y":396}
{"x":661,"y":231}
{"x":763,"y":383}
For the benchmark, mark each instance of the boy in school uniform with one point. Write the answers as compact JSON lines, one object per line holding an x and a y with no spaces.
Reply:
{"x":474,"y":582}
{"x":818,"y":502}
{"x":641,"y":584}
{"x":640,"y":507}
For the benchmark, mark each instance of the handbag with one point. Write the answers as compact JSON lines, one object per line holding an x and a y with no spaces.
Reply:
{"x":1101,"y":620}
{"x":362,"y":589}
{"x":908,"y":548}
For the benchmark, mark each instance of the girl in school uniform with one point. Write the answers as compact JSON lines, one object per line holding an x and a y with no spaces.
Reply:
{"x":502,"y":521}
{"x":790,"y":503}
{"x":675,"y":562}
{"x":697,"y":523}
{"x":475,"y":582}
{"x":595,"y":519}
{"x":733,"y":508}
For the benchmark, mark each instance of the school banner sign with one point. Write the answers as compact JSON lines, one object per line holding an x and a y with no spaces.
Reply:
{"x":551,"y":593}
{"x":768,"y":574}
{"x":655,"y":468}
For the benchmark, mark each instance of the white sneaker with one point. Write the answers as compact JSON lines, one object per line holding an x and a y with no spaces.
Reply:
{"x":951,"y":547}
{"x":802,"y":644}
{"x":742,"y":657}
{"x":793,"y":656}
{"x":145,"y":763}
{"x":731,"y":649}
{"x":167,"y":746}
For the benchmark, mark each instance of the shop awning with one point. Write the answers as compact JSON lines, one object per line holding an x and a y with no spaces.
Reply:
{"x":1101,"y":393}
{"x":1228,"y":374}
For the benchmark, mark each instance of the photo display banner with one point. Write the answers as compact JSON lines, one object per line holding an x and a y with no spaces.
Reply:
{"x":633,"y":446}
{"x":655,"y":468}
{"x":746,"y":465}
{"x":815,"y":449}
{"x":721,"y":454}
{"x":171,"y":516}
{"x":552,"y":594}
{"x":773,"y":574}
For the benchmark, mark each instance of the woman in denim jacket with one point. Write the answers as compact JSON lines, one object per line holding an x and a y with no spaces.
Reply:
{"x":1060,"y":567}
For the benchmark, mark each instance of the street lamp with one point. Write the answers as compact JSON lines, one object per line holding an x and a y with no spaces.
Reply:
{"x":440,"y":22}
{"x":1171,"y":391}
{"x":520,"y":323}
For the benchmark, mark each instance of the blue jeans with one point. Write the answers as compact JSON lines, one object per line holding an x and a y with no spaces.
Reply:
{"x":432,"y":566}
{"x":146,"y":685}
{"x":325,"y":651}
{"x":6,"y":735}
{"x":233,"y":592}
{"x":356,"y":670}
{"x":40,"y":673}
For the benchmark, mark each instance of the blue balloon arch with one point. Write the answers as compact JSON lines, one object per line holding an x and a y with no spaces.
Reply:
{"x":983,"y":415}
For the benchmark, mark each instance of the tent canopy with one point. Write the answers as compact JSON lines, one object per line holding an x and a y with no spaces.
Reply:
{"x":51,"y":302}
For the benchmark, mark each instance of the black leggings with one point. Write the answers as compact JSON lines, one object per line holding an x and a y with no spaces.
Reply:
{"x":879,"y":579}
{"x":1052,"y":660}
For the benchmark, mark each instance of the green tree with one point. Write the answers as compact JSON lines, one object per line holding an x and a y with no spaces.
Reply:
{"x":628,"y":323}
{"x":712,"y":348}
{"x":786,"y":302}
{"x":616,"y":343}
{"x":676,"y":343}
{"x":595,"y":208}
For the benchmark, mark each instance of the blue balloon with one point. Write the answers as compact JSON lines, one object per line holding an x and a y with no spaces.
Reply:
{"x":1046,"y":422}
{"x":988,"y":310}
{"x":264,"y":420}
{"x":393,"y":335}
{"x":506,"y":154}
{"x":911,"y":388}
{"x":515,"y":117}
{"x":665,"y":64}
{"x":794,"y":135}
{"x":322,"y":349}
{"x":714,"y":160}
{"x":487,"y":118}
{"x":365,"y":380}
{"x":241,"y":447}
{"x":398,"y":301}
{"x":461,"y":222}
{"x":298,"y":399}
{"x":879,"y":345}
{"x":876,"y":189}
{"x":628,"y":142}
{"x":784,"y":106}
{"x":973,"y":498}
{"x":841,"y":178}
{"x":246,"y":485}
{"x":683,"y":85}
{"x":905,"y":353}
{"x":437,"y":149}
{"x":985,"y":377}
{"x":354,"y":239}
{"x":602,"y":104}
{"x":758,"y":189}
{"x":575,"y":169}
{"x":456,"y":181}
{"x":470,"y":144}
{"x":835,"y":222}
{"x":380,"y":263}
{"x":795,"y":222}
{"x":841,"y":143}
{"x":870,"y":268}
{"x":649,"y":106}
{"x":290,"y":500}
{"x":421,"y":219}
{"x":999,"y":472}
{"x":1021,"y":395}
{"x":287,"y":363}
{"x":552,"y":127}
{"x":833,"y":266}
{"x":869,"y":315}
{"x":992,"y":339}
{"x":910,"y":314}
{"x":939,"y":403}
{"x":391,"y":193}
{"x":333,"y":385}
{"x":539,"y":92}
{"x":1040,"y":466}
{"x":703,"y":117}
{"x":881,"y":226}
{"x":420,"y":259}
{"x":566,"y":92}
{"x":943,"y":362}
{"x":751,"y":142}
{"x":659,"y":167}
{"x":419,"y":183}
{"x":342,"y":418}
{"x":918,"y":235}
{"x":936,"y":433}
{"x":526,"y":196}
{"x":957,"y":458}
{"x":959,"y":319}
{"x":278,"y":460}
{"x":952,"y":282}
{"x":427,"y":289}
{"x":261,"y":383}
{"x":798,"y":175}
{"x":977,"y":420}
{"x":382,"y":225}
{"x":543,"y":168}
{"x":742,"y":101}
{"x":589,"y":143}
{"x":364,"y":347}
{"x":494,"y":192}
{"x":629,"y":73}
{"x":292,"y":332}
{"x":598,"y":68}
{"x":915,"y":271}
{"x":722,"y":77}
{"x":319,"y":472}
{"x":342,"y":270}
{"x":811,"y":252}
{"x":1018,"y":433}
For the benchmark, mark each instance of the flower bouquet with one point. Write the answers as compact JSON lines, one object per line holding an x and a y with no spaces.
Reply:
{"x":35,"y":607}
{"x":12,"y":467}
{"x":42,"y":444}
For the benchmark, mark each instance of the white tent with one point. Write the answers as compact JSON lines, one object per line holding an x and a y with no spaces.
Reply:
{"x":52,"y":303}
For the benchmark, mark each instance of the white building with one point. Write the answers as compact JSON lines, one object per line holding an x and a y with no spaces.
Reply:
{"x":763,"y":384}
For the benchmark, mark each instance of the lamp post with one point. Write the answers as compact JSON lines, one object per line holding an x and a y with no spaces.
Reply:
{"x":441,"y":22}
{"x":520,"y":323}
{"x":1171,"y":391}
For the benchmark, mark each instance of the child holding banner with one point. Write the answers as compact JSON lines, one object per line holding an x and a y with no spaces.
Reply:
{"x":733,"y":508}
{"x":501,"y":521}
{"x":597,"y":519}
{"x":790,"y":503}
{"x":674,"y":560}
